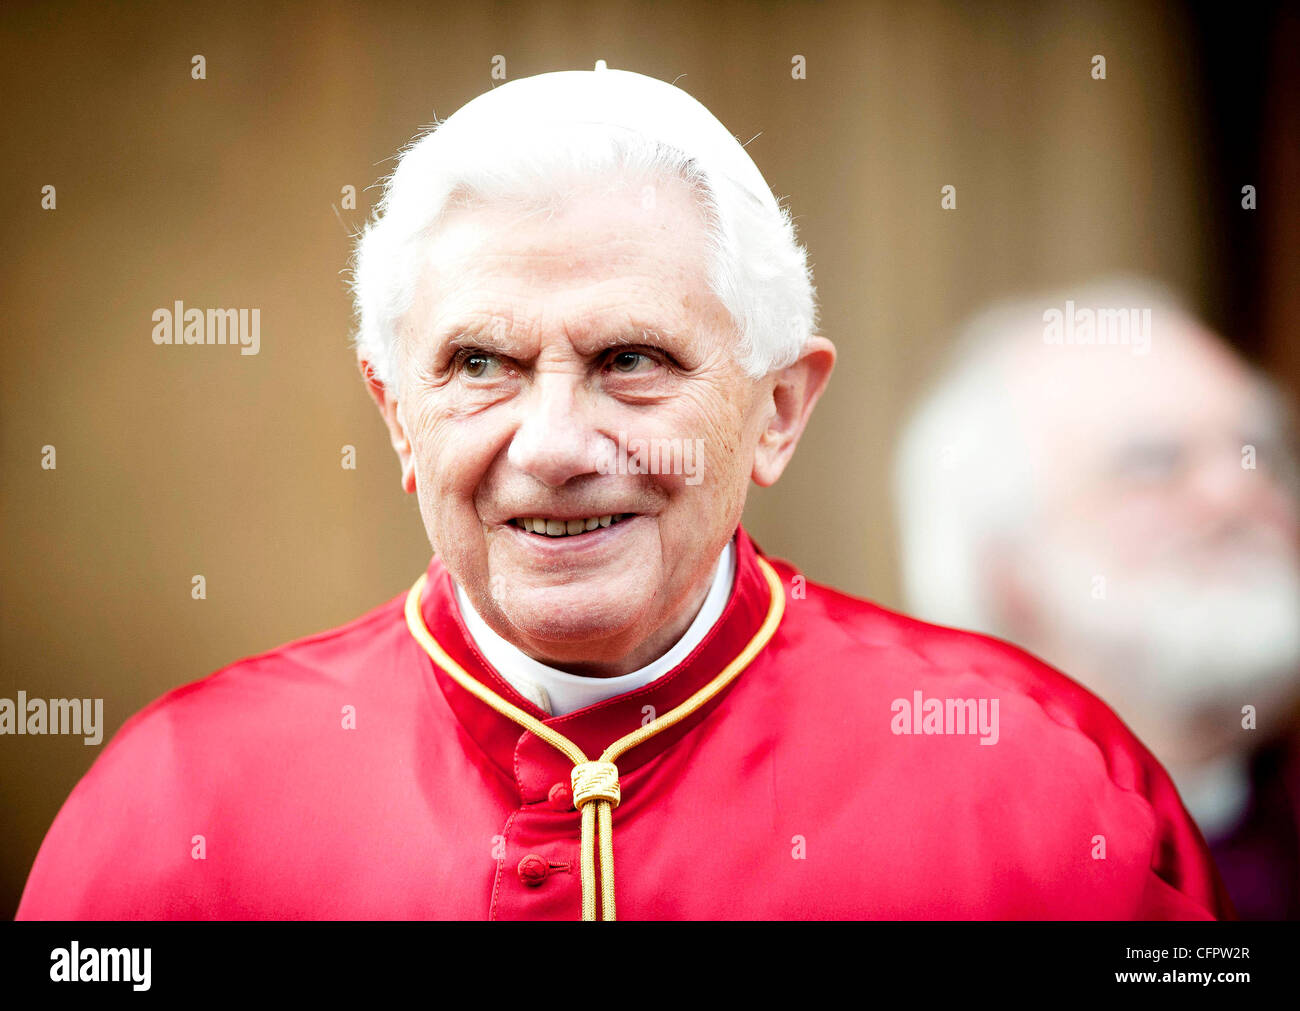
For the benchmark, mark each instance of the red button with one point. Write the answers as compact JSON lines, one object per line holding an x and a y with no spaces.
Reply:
{"x":533,"y":870}
{"x":560,"y":797}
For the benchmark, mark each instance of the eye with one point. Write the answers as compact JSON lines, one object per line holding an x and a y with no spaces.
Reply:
{"x":478,"y":364}
{"x":1150,"y":462}
{"x":631,"y":362}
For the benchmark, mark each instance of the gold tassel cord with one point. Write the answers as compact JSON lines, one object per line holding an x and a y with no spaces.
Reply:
{"x":595,"y":784}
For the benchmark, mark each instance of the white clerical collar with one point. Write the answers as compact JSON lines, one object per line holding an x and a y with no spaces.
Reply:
{"x":559,"y":692}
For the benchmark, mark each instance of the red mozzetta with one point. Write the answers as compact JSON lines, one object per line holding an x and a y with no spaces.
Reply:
{"x":807,"y":789}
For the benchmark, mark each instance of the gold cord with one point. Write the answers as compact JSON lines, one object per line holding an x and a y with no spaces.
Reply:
{"x":595,"y":784}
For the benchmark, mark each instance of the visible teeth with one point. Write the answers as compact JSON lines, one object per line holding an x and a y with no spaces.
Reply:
{"x":567,"y":528}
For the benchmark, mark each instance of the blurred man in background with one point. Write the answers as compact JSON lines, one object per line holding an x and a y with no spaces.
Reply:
{"x":1101,"y":480}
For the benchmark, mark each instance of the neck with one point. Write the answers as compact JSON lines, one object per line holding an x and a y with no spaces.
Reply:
{"x":645,"y":652}
{"x":633,"y":653}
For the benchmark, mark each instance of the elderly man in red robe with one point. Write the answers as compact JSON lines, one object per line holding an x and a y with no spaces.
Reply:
{"x":588,"y":326}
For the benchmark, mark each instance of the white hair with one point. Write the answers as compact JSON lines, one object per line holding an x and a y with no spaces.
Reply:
{"x":1172,"y":651}
{"x":963,"y":470}
{"x":945,"y":513}
{"x":758,"y":270}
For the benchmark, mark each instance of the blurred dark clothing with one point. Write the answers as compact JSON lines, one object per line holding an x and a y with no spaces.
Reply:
{"x":1259,"y":859}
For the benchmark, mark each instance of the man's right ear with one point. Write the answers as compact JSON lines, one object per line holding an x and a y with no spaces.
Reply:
{"x":396,"y":431}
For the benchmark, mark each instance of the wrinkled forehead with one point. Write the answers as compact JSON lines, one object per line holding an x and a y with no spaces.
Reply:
{"x":603,"y":261}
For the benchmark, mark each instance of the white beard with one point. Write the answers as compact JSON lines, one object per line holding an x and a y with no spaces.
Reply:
{"x":1178,"y":644}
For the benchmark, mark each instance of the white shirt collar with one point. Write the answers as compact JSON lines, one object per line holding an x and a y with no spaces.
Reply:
{"x":559,"y":692}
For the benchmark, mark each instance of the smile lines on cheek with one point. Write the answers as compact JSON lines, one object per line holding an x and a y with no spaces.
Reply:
{"x":567,"y":528}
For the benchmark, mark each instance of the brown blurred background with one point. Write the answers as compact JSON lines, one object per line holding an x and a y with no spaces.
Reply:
{"x":173,"y":461}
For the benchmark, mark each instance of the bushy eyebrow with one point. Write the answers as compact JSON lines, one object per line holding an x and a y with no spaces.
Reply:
{"x":494,"y":338}
{"x":486,"y":337}
{"x":633,"y":336}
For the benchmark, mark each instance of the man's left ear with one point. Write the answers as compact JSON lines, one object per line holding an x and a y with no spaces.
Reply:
{"x":796,"y":391}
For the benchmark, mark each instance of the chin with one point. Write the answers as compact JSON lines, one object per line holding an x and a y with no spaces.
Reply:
{"x":553,"y":617}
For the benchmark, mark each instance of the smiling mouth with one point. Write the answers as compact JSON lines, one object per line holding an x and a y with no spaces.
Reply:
{"x":543,"y":527}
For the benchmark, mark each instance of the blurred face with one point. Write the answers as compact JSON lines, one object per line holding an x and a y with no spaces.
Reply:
{"x":581,"y":437}
{"x":1166,"y":542}
{"x":1148,"y":467}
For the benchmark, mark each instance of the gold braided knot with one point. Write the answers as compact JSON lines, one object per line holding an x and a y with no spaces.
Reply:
{"x":595,"y":781}
{"x":595,"y":784}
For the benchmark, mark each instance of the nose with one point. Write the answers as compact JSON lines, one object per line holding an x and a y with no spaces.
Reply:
{"x":556,"y":440}
{"x":1222,"y":489}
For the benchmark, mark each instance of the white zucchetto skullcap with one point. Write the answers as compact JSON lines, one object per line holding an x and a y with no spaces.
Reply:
{"x":618,"y":98}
